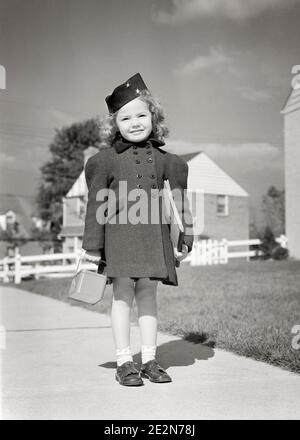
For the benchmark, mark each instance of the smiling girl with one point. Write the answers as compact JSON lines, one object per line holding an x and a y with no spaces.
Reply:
{"x":138,"y":255}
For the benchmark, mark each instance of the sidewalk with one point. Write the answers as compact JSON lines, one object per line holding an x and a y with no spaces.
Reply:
{"x":59,"y":364}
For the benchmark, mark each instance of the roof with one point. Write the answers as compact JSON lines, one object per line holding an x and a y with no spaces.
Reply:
{"x":71,"y":231}
{"x":205,"y":175}
{"x":79,"y":187}
{"x":293,"y":102}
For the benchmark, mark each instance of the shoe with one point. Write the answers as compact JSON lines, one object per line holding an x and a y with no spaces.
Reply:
{"x":128,"y":375}
{"x":154,"y":372}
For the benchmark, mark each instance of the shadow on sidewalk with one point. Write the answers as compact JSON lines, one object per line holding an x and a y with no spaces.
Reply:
{"x":178,"y":353}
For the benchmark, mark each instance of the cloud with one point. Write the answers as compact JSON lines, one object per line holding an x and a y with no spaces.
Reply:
{"x":238,"y":10}
{"x":61,"y":118}
{"x":6,"y":159}
{"x":254,"y":95}
{"x":258,"y":156}
{"x":216,"y":57}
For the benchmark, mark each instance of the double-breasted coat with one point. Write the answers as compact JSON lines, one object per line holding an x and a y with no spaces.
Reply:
{"x":133,"y":249}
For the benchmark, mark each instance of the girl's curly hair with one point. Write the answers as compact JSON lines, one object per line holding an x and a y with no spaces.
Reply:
{"x":108,"y":126}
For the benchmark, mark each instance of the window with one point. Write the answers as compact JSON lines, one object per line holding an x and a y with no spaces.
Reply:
{"x":222,"y":204}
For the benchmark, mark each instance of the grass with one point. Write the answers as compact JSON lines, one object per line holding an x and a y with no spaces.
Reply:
{"x":247,"y":308}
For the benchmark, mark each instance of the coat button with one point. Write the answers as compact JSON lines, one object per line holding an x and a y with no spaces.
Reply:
{"x":135,"y":152}
{"x":153,"y":176}
{"x":134,"y":147}
{"x":150,"y":159}
{"x":139,"y":185}
{"x":153,"y":185}
{"x":137,"y":161}
{"x":139,"y":176}
{"x":138,"y":197}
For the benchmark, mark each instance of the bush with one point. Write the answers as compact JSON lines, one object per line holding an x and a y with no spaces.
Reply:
{"x":270,"y":248}
{"x":279,"y":253}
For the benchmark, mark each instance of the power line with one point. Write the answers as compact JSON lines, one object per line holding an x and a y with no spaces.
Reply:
{"x":38,"y":106}
{"x":24,"y":134}
{"x":17,"y":195}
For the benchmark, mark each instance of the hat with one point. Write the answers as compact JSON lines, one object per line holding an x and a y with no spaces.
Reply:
{"x":125,"y":93}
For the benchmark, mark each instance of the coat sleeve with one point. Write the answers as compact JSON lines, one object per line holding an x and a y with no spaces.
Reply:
{"x":177,"y":174}
{"x":94,"y":226}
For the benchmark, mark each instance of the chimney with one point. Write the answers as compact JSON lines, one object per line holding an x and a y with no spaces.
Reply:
{"x":89,"y":152}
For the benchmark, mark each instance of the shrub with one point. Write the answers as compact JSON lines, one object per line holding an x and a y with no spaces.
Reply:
{"x":279,"y":253}
{"x":270,"y":248}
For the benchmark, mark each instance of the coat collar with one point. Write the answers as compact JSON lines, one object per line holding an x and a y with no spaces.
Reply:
{"x":120,"y":144}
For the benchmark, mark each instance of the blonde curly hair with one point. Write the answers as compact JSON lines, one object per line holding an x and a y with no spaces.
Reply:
{"x":108,"y":126}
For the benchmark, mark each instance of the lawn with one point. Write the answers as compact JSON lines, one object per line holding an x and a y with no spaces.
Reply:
{"x":247,"y":308}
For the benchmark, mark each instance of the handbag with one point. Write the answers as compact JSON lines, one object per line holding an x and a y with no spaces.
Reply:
{"x":87,"y":286}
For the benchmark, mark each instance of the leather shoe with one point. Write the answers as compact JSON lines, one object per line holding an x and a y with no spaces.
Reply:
{"x":154,"y":372}
{"x":128,"y":375}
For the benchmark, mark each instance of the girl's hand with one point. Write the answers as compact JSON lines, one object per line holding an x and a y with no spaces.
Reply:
{"x":181,"y":255}
{"x":93,"y":256}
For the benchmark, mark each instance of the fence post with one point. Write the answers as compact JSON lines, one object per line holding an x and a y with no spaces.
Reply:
{"x":282,"y":240}
{"x":209,"y":251}
{"x":195,"y":252}
{"x":18,"y":275}
{"x":5,"y":270}
{"x":224,"y":251}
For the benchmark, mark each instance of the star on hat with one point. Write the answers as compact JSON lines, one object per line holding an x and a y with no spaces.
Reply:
{"x":125,"y":93}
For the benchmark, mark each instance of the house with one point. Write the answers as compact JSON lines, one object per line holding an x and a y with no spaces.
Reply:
{"x":16,"y":213}
{"x":291,"y":113}
{"x":225,"y":203}
{"x":74,"y":206}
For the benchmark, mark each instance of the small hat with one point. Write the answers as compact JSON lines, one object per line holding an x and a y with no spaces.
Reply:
{"x":125,"y":93}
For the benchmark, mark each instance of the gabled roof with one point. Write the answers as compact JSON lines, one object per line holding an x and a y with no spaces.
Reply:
{"x":205,"y":175}
{"x":292,"y":103}
{"x":71,"y":231}
{"x":79,"y":187}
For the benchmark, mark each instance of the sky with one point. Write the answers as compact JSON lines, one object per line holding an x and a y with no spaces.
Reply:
{"x":221,"y":69}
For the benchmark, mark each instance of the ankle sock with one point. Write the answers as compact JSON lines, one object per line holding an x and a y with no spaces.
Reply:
{"x":148,"y":353}
{"x":123,"y":355}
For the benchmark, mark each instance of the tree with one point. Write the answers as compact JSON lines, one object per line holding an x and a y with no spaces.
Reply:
{"x":64,"y":167}
{"x":274,"y":210}
{"x":13,"y":235}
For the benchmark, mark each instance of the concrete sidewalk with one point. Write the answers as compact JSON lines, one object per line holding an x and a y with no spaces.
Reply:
{"x":59,"y":364}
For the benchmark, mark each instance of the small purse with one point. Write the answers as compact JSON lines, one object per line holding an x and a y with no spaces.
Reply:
{"x":87,"y":286}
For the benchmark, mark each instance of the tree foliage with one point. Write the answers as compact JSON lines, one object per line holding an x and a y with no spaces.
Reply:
{"x":13,"y":235}
{"x":61,"y":171}
{"x":274,"y":210}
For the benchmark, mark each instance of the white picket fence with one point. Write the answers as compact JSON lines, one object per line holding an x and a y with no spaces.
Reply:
{"x":205,"y":252}
{"x":18,"y":267}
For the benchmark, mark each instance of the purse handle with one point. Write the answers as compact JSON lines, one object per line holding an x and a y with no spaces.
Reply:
{"x":83,"y":252}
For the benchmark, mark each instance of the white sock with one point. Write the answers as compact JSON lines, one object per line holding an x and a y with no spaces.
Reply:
{"x":148,"y":353}
{"x":123,"y":355}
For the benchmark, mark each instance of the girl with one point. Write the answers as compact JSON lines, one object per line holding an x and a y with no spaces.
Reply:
{"x":138,"y":251}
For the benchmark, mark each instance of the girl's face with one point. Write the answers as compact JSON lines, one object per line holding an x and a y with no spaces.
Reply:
{"x":134,"y":120}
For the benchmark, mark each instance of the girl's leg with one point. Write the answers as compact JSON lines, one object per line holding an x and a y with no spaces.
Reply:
{"x":123,"y":293}
{"x":145,"y":297}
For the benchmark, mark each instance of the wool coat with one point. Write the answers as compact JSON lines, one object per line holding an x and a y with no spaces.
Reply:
{"x":134,"y":249}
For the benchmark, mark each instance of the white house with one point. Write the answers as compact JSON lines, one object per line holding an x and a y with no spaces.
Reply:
{"x":291,"y":112}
